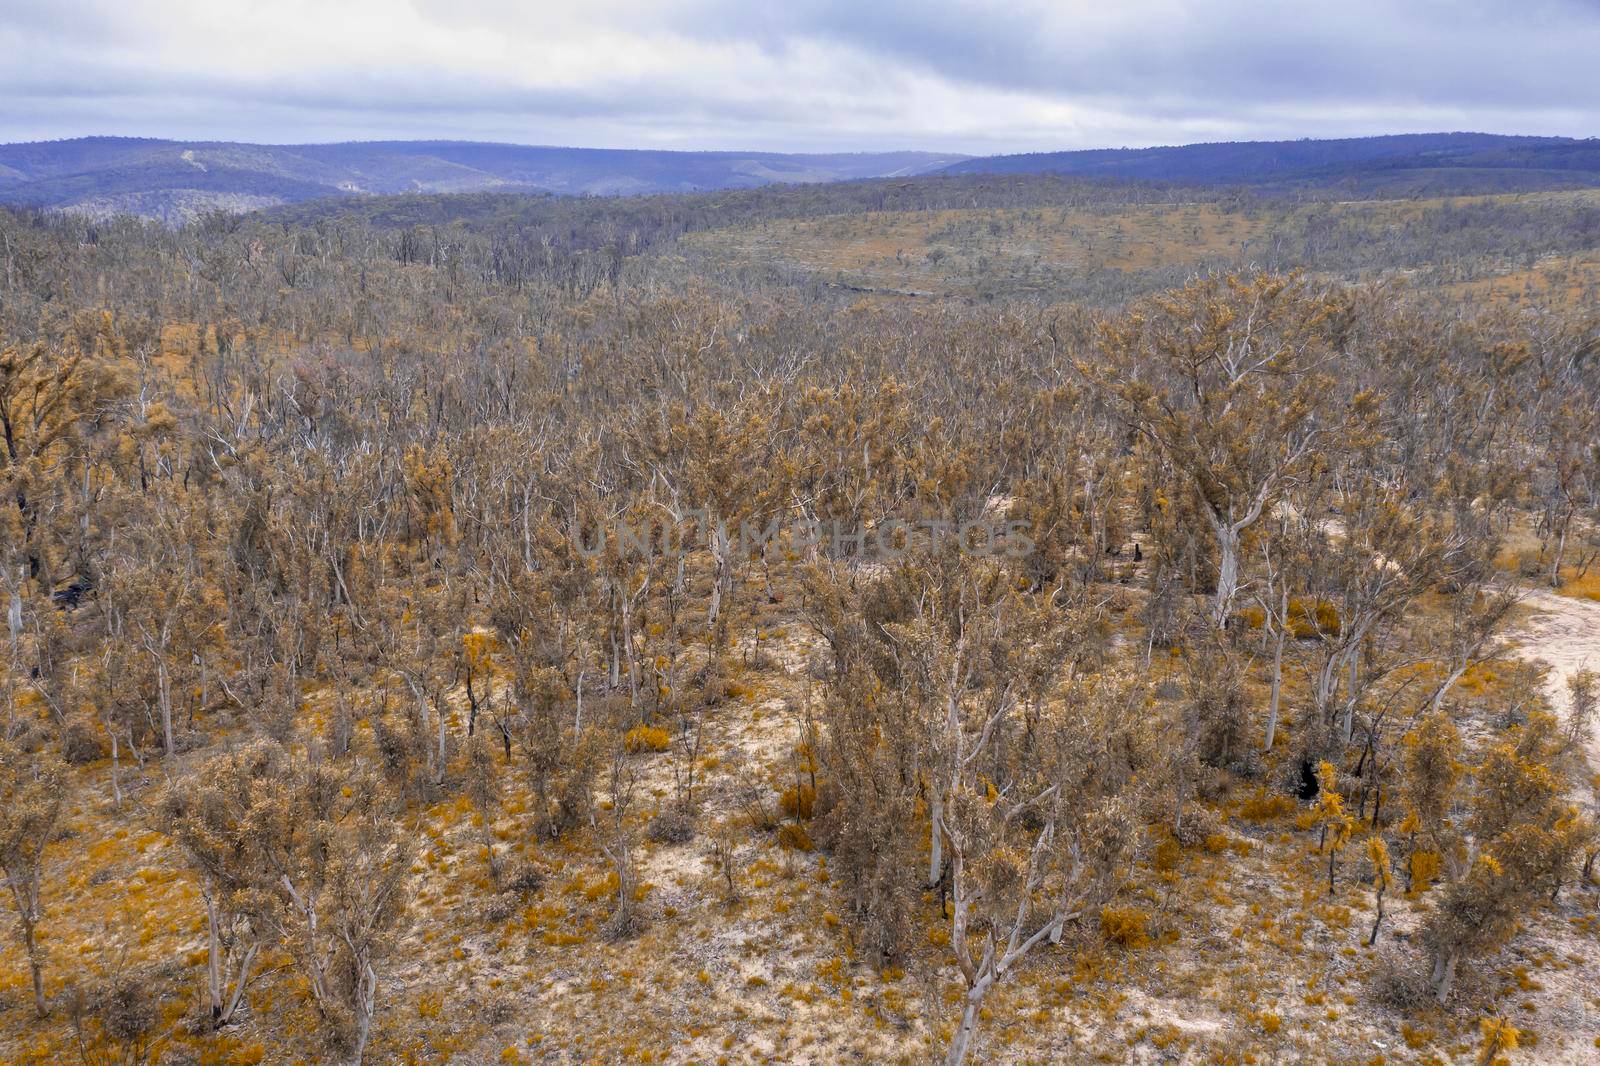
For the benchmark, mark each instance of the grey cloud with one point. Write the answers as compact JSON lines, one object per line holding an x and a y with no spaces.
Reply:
{"x":1154,"y":71}
{"x":1539,"y":52}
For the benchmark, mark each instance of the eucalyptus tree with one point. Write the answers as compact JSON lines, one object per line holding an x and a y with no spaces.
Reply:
{"x":1232,"y":383}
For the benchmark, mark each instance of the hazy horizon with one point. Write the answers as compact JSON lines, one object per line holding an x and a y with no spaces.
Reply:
{"x":735,"y":150}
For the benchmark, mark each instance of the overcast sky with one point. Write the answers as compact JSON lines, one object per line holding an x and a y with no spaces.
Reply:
{"x":951,"y":75}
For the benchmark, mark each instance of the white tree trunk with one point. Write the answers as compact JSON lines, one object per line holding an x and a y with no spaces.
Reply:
{"x":366,"y":1003}
{"x":1561,"y":550}
{"x":213,"y":956}
{"x":116,"y":769}
{"x":723,"y":578}
{"x":627,"y":647}
{"x":1277,"y":683}
{"x":164,"y":687}
{"x":961,"y":1043}
{"x":239,"y":984}
{"x":439,"y":710}
{"x":1449,"y":683}
{"x":1444,"y":976}
{"x":1227,"y":573}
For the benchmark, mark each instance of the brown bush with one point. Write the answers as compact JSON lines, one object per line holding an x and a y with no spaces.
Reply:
{"x":81,"y":743}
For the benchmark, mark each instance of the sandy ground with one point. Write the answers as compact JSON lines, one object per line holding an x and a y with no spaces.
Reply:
{"x":1563,"y":633}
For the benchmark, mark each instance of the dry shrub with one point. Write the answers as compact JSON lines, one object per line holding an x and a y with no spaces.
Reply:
{"x":1248,"y":765}
{"x":712,"y":683}
{"x":1425,"y":868}
{"x":403,"y":756}
{"x":1313,"y":620}
{"x":1264,"y":806}
{"x":798,"y":801}
{"x":1586,"y":587}
{"x":499,"y":908}
{"x":793,"y":835}
{"x":672,"y":826}
{"x":1215,"y":711}
{"x":625,"y":923}
{"x":757,"y":809}
{"x":1199,"y":825}
{"x":574,"y":794}
{"x":1167,"y":855}
{"x":1127,"y":927}
{"x":524,"y":878}
{"x":81,"y":743}
{"x":116,"y":1019}
{"x":872,"y":860}
{"x":1400,"y":984}
{"x":647,"y":738}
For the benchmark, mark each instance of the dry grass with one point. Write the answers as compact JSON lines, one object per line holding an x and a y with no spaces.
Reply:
{"x":1586,"y":587}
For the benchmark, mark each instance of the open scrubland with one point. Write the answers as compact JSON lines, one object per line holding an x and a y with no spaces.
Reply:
{"x":1539,"y":249}
{"x":959,"y":620}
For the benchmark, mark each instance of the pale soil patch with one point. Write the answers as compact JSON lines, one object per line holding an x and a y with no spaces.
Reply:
{"x":1564,"y":634}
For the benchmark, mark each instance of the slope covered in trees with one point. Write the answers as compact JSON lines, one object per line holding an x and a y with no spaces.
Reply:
{"x":528,"y":639}
{"x":1416,"y":163}
{"x":177,"y":180}
{"x":1543,"y":248}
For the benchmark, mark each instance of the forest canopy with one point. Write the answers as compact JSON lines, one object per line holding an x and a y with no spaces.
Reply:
{"x":996,"y":618}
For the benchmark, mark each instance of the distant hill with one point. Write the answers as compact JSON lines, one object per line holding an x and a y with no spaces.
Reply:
{"x":177,"y":180}
{"x":172,"y":180}
{"x":1406,"y":164}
